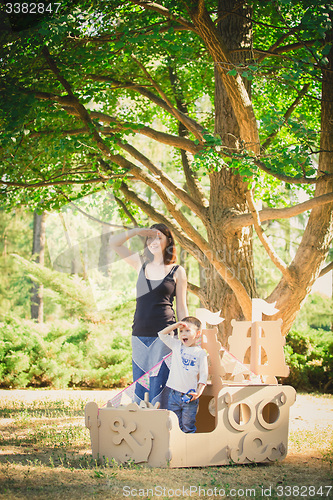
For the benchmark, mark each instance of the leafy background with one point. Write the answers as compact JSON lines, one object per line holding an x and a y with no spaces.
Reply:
{"x":79,"y":345}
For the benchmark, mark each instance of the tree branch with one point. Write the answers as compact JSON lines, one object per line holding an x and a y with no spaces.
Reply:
{"x":174,"y":111}
{"x":196,"y":290}
{"x":161,"y":137}
{"x":73,"y":131}
{"x":192,"y":183}
{"x":159,"y":189}
{"x":49,"y":96}
{"x":171,"y":140}
{"x":281,"y":50}
{"x":141,"y":89}
{"x":111,"y":38}
{"x":281,"y":266}
{"x":180,"y":193}
{"x":275,"y":45}
{"x":278,"y":213}
{"x":301,"y":42}
{"x":147,"y":5}
{"x":91,"y":217}
{"x":326,"y":269}
{"x":289,"y":179}
{"x":171,"y":206}
{"x":33,"y":185}
{"x":74,"y":101}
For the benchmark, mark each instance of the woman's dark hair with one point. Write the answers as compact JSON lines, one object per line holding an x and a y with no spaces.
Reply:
{"x":170,"y":254}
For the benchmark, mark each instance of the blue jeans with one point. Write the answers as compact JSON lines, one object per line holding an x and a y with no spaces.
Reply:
{"x":146,"y":353}
{"x":186,"y":412}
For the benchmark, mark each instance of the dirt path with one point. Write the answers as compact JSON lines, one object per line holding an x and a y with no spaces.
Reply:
{"x":308,"y":412}
{"x":29,"y":395}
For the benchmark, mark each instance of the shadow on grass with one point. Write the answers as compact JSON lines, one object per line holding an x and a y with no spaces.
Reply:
{"x":53,"y":475}
{"x":51,"y":458}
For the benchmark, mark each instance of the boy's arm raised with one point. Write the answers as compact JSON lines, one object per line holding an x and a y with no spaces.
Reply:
{"x":171,"y":328}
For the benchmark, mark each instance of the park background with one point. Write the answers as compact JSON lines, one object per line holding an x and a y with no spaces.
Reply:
{"x":95,"y":107}
{"x":83,"y":337}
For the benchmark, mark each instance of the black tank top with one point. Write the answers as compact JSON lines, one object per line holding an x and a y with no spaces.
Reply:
{"x":154,"y":304}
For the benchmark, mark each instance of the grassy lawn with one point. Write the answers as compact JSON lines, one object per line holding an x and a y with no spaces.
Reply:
{"x":45,"y":454}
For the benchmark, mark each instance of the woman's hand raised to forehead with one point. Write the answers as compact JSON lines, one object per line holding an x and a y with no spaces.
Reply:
{"x":152,"y":233}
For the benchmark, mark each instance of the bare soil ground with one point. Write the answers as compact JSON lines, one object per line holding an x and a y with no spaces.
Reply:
{"x":45,"y":454}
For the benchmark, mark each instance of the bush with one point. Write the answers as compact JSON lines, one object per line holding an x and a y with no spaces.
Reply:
{"x":310,"y":359}
{"x":63,"y":355}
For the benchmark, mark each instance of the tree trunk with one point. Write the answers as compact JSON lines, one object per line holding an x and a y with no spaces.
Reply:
{"x":233,"y":247}
{"x":38,"y":253}
{"x":105,"y":253}
{"x":227,"y":195}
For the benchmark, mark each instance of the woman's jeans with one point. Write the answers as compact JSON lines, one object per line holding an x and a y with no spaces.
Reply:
{"x":186,"y":412}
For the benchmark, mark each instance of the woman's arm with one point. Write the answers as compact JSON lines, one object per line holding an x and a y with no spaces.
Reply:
{"x":117,"y":243}
{"x":181,"y":293}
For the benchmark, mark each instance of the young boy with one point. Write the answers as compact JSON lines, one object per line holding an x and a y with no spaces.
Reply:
{"x":188,"y":372}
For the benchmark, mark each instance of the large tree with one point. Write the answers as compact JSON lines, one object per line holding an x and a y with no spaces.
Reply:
{"x":241,"y":92}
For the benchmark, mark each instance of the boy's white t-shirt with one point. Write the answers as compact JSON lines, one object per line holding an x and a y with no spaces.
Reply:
{"x":189,"y":365}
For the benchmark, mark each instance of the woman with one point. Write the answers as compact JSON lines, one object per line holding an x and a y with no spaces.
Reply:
{"x":159,"y":282}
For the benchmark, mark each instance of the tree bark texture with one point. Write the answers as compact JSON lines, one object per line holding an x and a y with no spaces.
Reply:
{"x":217,"y":43}
{"x":227,"y":189}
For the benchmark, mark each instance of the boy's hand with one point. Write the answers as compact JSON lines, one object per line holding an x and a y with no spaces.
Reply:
{"x":197,"y":394}
{"x":169,"y":330}
{"x":181,"y":324}
{"x":194,"y":395}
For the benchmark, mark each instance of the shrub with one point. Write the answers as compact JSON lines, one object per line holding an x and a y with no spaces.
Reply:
{"x":63,"y":355}
{"x":310,"y":359}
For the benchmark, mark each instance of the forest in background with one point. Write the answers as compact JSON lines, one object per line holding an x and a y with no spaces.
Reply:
{"x":83,"y":343}
{"x":211,"y":116}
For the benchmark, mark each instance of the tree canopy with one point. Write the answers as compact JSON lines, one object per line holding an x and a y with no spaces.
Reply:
{"x":238,"y":95}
